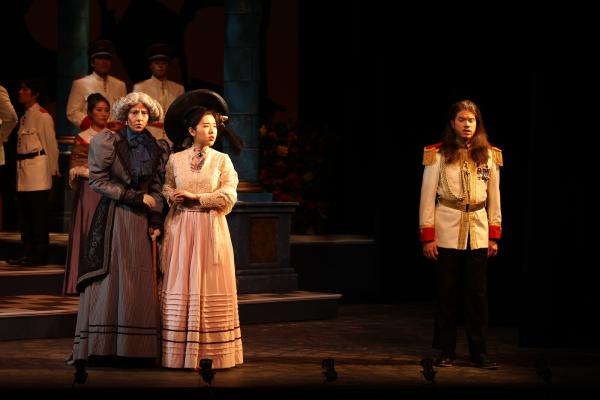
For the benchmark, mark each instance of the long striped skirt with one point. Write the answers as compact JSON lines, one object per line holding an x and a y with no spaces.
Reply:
{"x":118,"y":315}
{"x":199,"y":306}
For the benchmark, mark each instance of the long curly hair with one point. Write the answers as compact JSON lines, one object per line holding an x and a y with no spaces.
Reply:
{"x":478,"y":150}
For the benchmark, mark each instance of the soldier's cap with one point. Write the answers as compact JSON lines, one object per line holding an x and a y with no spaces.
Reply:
{"x":159,"y":51}
{"x":101,"y":48}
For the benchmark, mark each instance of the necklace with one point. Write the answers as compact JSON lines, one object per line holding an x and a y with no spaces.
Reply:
{"x":197,"y":160}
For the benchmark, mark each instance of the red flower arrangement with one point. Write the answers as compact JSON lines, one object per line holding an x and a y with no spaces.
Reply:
{"x":292,"y":167}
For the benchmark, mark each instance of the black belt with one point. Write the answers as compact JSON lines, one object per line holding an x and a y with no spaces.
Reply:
{"x":30,"y":155}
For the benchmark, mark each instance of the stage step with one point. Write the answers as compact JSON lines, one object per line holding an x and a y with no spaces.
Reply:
{"x":10,"y":246}
{"x":37,"y":316}
{"x":31,"y":304}
{"x":47,"y":316}
{"x":15,"y":280}
{"x":345,"y":264}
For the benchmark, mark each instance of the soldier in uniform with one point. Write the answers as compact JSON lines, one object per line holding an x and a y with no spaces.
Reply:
{"x":158,"y":86}
{"x":37,"y":163}
{"x":460,"y":225}
{"x":101,"y":54}
{"x":8,"y":120}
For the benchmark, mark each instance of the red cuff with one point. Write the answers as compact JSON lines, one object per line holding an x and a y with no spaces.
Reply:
{"x":495,"y":232}
{"x":427,"y":234}
{"x":85,"y":123}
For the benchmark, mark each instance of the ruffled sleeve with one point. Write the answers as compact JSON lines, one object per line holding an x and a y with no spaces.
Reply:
{"x":225,"y":196}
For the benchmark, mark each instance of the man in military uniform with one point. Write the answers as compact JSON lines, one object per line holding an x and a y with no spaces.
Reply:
{"x":37,"y":163}
{"x":101,"y":54}
{"x":460,"y":225}
{"x":158,"y":86}
{"x":8,"y":120}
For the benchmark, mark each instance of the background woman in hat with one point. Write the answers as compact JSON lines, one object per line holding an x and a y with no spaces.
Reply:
{"x":199,"y":294}
{"x":85,"y":200}
{"x":118,"y":310}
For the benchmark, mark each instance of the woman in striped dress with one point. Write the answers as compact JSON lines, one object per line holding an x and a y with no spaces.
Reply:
{"x":118,"y":307}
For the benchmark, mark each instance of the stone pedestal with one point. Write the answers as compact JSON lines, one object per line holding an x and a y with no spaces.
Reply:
{"x":260,"y":232}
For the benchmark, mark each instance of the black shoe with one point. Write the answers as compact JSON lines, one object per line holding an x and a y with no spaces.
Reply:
{"x":483,"y":361}
{"x":16,"y":261}
{"x":445,"y":359}
{"x":80,"y":374}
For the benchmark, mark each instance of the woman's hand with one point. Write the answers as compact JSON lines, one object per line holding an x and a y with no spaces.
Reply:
{"x":149,"y":201}
{"x":180,"y":195}
{"x":72,"y":176}
{"x":154,"y":233}
{"x":492,"y":248}
{"x":430,"y":250}
{"x":77,"y":172}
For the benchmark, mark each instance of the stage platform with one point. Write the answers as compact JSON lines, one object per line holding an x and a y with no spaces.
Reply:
{"x":377,"y":350}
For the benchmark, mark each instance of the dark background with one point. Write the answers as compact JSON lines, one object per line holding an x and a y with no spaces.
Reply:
{"x":374,"y":81}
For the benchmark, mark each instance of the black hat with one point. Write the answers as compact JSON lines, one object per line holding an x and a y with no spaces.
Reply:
{"x":101,"y":48}
{"x":175,"y":125}
{"x":159,"y":51}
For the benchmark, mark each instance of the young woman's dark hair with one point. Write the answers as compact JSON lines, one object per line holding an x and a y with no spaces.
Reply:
{"x":94,"y":99}
{"x":195,"y":114}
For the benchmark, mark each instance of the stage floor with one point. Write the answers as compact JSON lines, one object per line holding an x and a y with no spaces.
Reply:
{"x":377,"y":349}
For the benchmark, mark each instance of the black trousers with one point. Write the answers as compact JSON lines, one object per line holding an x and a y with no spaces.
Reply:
{"x":461,"y":278}
{"x":33,"y":213}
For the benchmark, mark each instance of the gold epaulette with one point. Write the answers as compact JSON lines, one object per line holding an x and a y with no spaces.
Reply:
{"x":429,"y":153}
{"x":497,"y":156}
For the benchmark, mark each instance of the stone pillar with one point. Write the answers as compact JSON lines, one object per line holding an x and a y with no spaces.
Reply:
{"x":72,"y":59}
{"x":243,"y":20}
{"x":73,"y":27}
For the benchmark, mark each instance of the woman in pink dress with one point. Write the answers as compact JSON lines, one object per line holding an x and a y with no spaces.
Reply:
{"x":85,"y":199}
{"x":199,"y":306}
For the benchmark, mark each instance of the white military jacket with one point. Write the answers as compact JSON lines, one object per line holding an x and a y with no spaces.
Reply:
{"x":36,"y":133}
{"x":8,"y":120}
{"x":111,"y":88}
{"x":165,"y":92}
{"x":460,"y":200}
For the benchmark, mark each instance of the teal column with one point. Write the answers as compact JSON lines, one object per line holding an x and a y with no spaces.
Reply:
{"x":243,"y":20}
{"x":73,"y":35}
{"x":72,"y":59}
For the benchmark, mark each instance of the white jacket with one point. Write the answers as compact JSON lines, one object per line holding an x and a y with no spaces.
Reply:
{"x":8,"y":120}
{"x":111,"y":88}
{"x":36,"y":133}
{"x":462,"y":182}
